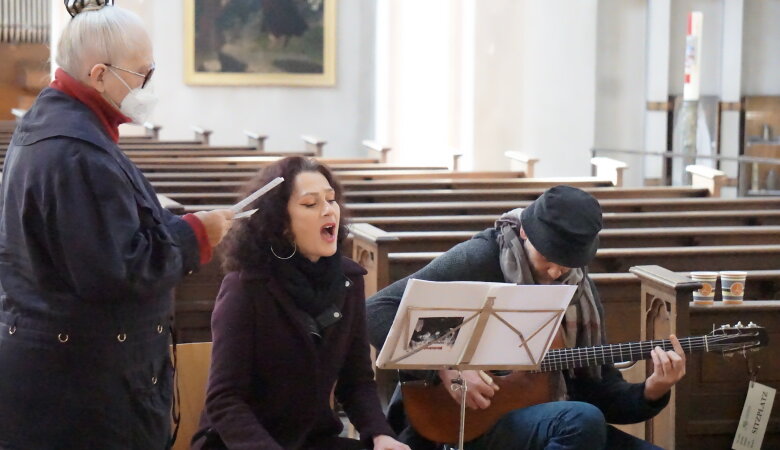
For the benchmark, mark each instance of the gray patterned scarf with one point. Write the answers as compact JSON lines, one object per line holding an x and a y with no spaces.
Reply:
{"x":582,"y":324}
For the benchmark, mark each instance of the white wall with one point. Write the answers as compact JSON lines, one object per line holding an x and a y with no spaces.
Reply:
{"x":489,"y":76}
{"x":343,"y":114}
{"x":621,"y":80}
{"x":761,"y":48}
{"x":498,"y":120}
{"x":559,"y":83}
{"x":416,"y":79}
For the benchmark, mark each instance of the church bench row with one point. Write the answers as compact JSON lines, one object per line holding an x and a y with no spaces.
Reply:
{"x":252,"y":167}
{"x":619,"y":293}
{"x":177,"y":182}
{"x":611,"y":220}
{"x":438,"y":195}
{"x":391,"y":256}
{"x":607,"y":205}
{"x":611,"y":260}
{"x":142,"y":141}
{"x":362,"y":210}
{"x":213,"y":152}
{"x":380,"y":242}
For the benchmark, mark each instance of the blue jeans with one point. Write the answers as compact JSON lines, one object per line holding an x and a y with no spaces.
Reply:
{"x":553,"y":426}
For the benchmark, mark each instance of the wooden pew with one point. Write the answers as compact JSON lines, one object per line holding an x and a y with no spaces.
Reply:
{"x":233,"y":183}
{"x":207,"y":197}
{"x":252,"y":163}
{"x":706,"y":404}
{"x":150,"y":141}
{"x":512,"y":194}
{"x":611,"y":220}
{"x":620,"y":292}
{"x":142,"y":155}
{"x":608,"y":260}
{"x":609,"y":205}
{"x":365,"y":210}
{"x":388,"y":256}
{"x":410,"y":241}
{"x":218,"y":172}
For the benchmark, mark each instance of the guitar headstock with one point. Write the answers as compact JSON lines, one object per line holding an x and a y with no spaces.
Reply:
{"x":738,"y":337}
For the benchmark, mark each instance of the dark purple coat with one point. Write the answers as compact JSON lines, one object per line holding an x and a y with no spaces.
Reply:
{"x":270,"y":383}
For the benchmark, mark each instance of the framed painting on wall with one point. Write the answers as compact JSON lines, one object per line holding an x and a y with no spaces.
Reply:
{"x":260,"y":42}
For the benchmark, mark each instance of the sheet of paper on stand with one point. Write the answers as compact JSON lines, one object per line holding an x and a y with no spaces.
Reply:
{"x":474,"y":325}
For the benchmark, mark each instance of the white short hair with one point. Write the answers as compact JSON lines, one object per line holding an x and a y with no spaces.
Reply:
{"x":99,"y":36}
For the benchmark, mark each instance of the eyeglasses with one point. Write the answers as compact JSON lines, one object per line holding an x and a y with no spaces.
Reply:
{"x":146,"y":77}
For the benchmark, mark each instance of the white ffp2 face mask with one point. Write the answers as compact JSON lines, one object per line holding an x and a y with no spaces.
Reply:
{"x":139,"y":102}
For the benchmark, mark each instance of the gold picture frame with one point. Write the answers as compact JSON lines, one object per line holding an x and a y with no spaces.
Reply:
{"x":260,"y":42}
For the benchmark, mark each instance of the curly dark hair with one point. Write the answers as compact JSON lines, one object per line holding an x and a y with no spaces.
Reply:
{"x":248,"y":244}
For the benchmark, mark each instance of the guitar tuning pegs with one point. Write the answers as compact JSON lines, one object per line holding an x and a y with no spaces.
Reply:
{"x":725,"y":326}
{"x":752,"y":325}
{"x":739,"y":325}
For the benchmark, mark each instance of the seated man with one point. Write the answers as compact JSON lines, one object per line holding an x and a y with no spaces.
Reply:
{"x":549,"y":242}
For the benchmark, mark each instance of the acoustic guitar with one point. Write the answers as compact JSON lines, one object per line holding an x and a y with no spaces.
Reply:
{"x":436,"y":416}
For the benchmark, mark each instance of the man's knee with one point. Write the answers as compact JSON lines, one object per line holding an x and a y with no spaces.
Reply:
{"x":586,"y":414}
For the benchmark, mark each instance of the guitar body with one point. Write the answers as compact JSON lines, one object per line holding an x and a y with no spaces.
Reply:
{"x":434,"y":414}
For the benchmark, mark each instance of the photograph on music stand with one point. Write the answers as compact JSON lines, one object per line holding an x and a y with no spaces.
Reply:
{"x":440,"y":332}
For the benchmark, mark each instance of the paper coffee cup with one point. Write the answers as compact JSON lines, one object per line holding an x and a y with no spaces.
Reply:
{"x":706,"y":294}
{"x":732,"y":286}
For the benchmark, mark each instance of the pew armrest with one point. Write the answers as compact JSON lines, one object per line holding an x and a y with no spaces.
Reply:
{"x":314,"y":144}
{"x":664,"y":305}
{"x":370,"y":247}
{"x":456,"y":156}
{"x":378,"y":147}
{"x":609,"y":168}
{"x":152,"y":130}
{"x":525,"y":163}
{"x":257,"y":140}
{"x":201,"y":134}
{"x":707,"y":177}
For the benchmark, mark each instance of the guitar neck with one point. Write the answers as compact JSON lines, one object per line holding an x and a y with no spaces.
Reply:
{"x":570,"y":358}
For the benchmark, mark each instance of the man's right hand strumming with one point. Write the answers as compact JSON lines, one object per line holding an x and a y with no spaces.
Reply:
{"x":481,"y":387}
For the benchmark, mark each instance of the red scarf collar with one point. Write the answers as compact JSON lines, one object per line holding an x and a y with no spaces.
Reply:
{"x":109,"y":116}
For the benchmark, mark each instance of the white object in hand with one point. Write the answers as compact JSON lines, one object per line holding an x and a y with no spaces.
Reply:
{"x":255,"y":195}
{"x":245,"y":214}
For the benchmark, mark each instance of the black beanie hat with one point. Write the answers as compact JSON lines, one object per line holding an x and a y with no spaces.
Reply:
{"x":563,"y":224}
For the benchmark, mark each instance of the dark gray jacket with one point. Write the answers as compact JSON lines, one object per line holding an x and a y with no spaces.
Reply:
{"x":478,"y":260}
{"x":88,"y":262}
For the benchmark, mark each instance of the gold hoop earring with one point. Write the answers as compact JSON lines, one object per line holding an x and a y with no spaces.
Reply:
{"x":295,"y":249}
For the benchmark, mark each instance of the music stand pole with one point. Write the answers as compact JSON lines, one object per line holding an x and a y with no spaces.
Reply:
{"x":460,"y":383}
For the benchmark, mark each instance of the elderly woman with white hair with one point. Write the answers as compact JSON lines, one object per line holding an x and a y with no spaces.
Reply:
{"x":88,"y":257}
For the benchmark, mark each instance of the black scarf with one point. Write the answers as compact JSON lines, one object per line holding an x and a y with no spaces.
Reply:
{"x":317,"y":289}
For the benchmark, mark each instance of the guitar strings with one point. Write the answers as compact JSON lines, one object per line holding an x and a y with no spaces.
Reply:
{"x":558,"y":359}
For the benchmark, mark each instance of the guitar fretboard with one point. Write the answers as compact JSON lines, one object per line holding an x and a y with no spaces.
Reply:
{"x":569,"y":358}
